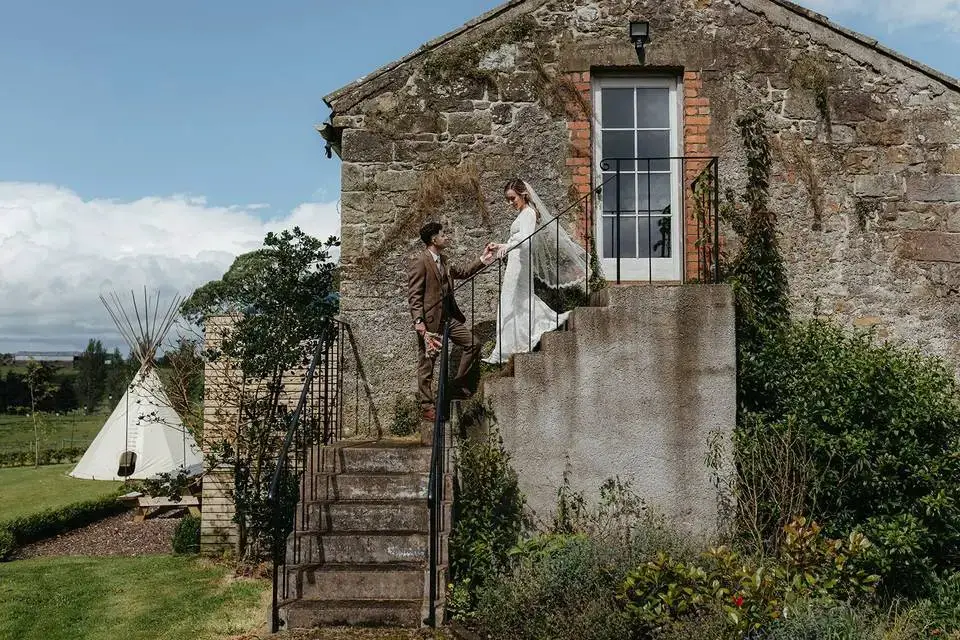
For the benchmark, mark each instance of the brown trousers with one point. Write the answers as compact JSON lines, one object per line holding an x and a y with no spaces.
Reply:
{"x":462,"y":337}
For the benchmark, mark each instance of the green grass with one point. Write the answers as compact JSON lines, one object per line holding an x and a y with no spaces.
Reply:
{"x":16,"y":432}
{"x":25,"y":490}
{"x":150,"y":597}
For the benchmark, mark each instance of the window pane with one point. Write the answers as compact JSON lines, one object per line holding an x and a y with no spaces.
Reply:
{"x":618,"y":144}
{"x":628,"y":236}
{"x":653,"y":108}
{"x":658,"y":243}
{"x":617,"y":110}
{"x":628,"y":193}
{"x":654,"y":195}
{"x":653,"y":144}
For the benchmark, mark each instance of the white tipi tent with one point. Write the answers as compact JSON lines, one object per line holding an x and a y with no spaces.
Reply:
{"x":144,"y":436}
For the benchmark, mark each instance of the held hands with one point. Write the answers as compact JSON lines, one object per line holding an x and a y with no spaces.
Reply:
{"x":493,"y":250}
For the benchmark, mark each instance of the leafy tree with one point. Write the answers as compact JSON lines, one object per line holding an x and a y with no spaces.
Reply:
{"x":283,"y":300}
{"x":182,"y":371}
{"x":92,"y":375}
{"x":40,"y":382}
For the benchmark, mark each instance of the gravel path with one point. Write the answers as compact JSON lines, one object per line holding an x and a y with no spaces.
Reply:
{"x":115,"y":536}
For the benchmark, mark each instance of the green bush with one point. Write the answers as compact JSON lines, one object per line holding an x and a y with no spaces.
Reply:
{"x":880,"y":425}
{"x":560,"y":587}
{"x":750,"y":594}
{"x":186,"y":537}
{"x":52,"y":522}
{"x":25,"y":458}
{"x":7,"y":543}
{"x":406,"y":416}
{"x":488,"y":518}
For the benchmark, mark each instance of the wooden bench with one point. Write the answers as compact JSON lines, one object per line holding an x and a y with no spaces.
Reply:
{"x":148,"y":507}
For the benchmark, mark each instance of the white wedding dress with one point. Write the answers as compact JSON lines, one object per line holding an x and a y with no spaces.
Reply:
{"x":522,"y":317}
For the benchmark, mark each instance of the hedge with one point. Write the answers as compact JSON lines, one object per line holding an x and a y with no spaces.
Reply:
{"x":21,"y":531}
{"x":25,"y":458}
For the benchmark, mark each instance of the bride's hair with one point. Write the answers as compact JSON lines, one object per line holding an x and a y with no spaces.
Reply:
{"x":519,"y":187}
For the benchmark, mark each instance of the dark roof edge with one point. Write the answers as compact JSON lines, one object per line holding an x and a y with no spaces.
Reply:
{"x":818,"y":18}
{"x":424,"y":48}
{"x":870,"y":43}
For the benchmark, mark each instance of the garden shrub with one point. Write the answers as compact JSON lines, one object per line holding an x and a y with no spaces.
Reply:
{"x":749,"y":593}
{"x":8,"y":543}
{"x":880,"y":427}
{"x":186,"y":537}
{"x":560,"y":587}
{"x":488,"y":507}
{"x":47,"y":456}
{"x":52,"y":522}
{"x":406,"y":416}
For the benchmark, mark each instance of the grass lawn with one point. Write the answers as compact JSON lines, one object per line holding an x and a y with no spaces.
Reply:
{"x":26,"y":490}
{"x":151,"y":597}
{"x":16,"y":432}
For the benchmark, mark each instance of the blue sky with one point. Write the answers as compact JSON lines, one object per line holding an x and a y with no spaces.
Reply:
{"x":148,"y":143}
{"x":122,"y":99}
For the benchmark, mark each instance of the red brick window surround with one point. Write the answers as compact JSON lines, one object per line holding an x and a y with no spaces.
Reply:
{"x":695,"y":126}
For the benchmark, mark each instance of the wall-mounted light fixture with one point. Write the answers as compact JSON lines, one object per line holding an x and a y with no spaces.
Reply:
{"x":640,"y":36}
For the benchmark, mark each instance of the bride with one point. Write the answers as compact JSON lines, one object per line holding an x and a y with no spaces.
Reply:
{"x":538,"y":249}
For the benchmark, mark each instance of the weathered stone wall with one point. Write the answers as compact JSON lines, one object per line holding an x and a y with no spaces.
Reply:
{"x":867,"y":155}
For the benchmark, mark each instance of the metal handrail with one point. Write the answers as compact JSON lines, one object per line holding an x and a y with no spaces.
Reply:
{"x":328,"y":355}
{"x":436,"y":484}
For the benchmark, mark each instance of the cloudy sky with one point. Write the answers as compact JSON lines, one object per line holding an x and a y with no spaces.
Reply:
{"x":150,"y":143}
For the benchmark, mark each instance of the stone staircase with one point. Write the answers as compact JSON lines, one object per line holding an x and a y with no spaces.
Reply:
{"x":637,"y":387}
{"x":361,"y":556}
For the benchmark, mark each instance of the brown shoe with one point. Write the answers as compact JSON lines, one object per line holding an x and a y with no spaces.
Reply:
{"x":461,"y":394}
{"x":429,"y":415}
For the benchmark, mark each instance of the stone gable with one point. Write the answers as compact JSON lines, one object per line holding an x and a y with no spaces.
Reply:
{"x":867,"y":154}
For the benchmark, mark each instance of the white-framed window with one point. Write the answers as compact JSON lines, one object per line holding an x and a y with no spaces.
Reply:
{"x":637,"y":159}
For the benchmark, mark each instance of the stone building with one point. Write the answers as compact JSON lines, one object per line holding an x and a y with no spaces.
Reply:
{"x":866,"y":182}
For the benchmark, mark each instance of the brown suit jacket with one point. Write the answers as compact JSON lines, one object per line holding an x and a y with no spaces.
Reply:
{"x":425,"y":290}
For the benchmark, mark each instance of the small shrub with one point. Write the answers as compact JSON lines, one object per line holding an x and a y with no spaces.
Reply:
{"x":406,"y":416}
{"x":8,"y":543}
{"x":560,"y":587}
{"x":488,"y":518}
{"x":186,"y":537}
{"x":750,"y":594}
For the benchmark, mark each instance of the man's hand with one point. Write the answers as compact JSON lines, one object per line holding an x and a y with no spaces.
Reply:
{"x":488,"y":254}
{"x":420,"y":327}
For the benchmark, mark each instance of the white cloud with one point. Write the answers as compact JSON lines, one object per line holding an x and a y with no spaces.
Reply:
{"x":894,"y":14}
{"x":58,"y":252}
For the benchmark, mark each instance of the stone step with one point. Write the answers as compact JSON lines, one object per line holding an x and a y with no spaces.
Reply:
{"x":399,"y":581}
{"x":558,"y":342}
{"x":325,"y":487}
{"x":360,"y":547}
{"x":307,"y":614}
{"x":371,"y":458}
{"x":325,"y":517}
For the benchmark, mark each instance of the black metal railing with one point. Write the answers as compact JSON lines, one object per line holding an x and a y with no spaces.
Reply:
{"x":637,"y":215}
{"x":319,"y":415}
{"x":318,"y":419}
{"x":703,"y":199}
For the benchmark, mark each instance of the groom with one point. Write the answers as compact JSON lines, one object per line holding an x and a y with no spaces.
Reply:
{"x":430,"y":295}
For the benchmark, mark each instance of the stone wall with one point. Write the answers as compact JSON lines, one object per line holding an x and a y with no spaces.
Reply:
{"x":866,"y":180}
{"x":670,"y":404}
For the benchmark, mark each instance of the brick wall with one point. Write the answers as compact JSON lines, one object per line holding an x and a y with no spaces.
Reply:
{"x":696,"y":142}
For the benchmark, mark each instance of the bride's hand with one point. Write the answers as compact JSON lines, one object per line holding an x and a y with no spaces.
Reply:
{"x":501,"y":250}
